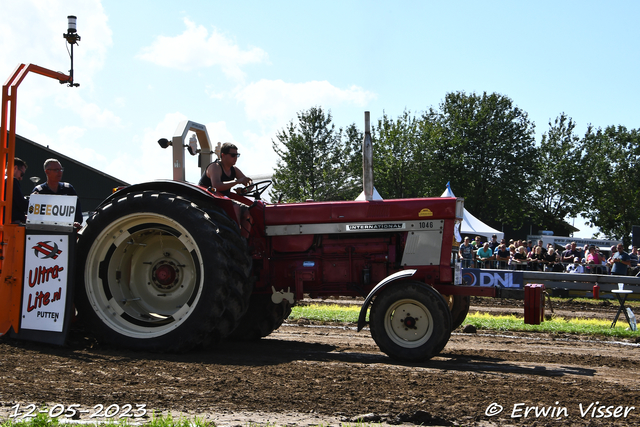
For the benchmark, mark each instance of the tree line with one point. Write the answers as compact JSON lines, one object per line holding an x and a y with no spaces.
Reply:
{"x":484,"y":145}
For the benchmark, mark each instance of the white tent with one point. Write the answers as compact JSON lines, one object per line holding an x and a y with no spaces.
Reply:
{"x":376,"y":195}
{"x":472,"y":225}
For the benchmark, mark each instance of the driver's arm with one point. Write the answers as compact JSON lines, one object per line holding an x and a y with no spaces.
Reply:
{"x":214,"y":172}
{"x":241,"y":178}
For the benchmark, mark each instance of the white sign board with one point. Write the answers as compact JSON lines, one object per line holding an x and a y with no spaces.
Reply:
{"x":46,"y":266}
{"x":51,"y":211}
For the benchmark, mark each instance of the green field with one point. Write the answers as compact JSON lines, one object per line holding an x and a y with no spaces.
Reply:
{"x":334,"y":313}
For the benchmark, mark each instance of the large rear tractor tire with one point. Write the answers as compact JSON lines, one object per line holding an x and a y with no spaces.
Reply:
{"x":262,"y":318}
{"x":156,"y":272}
{"x":459,"y":306}
{"x":410,"y":321}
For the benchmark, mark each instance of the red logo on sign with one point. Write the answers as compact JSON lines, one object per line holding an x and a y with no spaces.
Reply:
{"x":47,"y":250}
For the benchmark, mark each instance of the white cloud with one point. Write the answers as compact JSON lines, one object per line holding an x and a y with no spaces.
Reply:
{"x":197,"y":48}
{"x":92,"y":115}
{"x":275,"y":102}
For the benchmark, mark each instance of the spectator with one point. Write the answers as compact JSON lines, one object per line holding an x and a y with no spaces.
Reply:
{"x":612,"y":252}
{"x":576,"y":267}
{"x":620,"y":262}
{"x":19,"y":204}
{"x":485,"y":256}
{"x":466,"y":253}
{"x":583,"y":253}
{"x":512,"y":252}
{"x":520,"y":258}
{"x":633,"y":257}
{"x":551,"y":260}
{"x":529,"y":247}
{"x":571,"y":253}
{"x":53,"y":169}
{"x":493,"y":244}
{"x":594,"y":260}
{"x":502,"y":256}
{"x":477,"y":243}
{"x":536,"y":259}
{"x":540,"y":244}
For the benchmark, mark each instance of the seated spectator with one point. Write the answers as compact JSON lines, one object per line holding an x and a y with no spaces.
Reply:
{"x":485,"y":256}
{"x":576,"y":267}
{"x":502,"y":256}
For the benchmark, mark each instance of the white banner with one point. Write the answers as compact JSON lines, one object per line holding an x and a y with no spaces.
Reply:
{"x":44,"y":291}
{"x":51,"y":209}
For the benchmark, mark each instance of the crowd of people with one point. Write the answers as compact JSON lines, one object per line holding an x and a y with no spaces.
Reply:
{"x":524,"y":255}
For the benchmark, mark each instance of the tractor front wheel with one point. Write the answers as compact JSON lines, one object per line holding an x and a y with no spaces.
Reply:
{"x":410,"y":321}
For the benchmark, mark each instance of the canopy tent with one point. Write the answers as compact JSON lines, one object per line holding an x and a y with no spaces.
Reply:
{"x":472,"y":225}
{"x":376,"y":195}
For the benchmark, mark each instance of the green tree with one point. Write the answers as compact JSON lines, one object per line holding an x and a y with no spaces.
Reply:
{"x":558,"y":187}
{"x":396,"y":148}
{"x":313,"y":160}
{"x":486,"y":149}
{"x":612,"y":179}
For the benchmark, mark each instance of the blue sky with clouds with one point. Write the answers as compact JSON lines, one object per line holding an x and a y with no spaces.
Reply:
{"x":245,"y":68}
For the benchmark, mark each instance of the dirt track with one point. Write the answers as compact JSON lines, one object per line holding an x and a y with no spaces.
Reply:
{"x":310,"y":375}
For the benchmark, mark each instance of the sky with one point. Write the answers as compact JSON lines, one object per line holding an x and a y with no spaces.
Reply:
{"x":244,"y":69}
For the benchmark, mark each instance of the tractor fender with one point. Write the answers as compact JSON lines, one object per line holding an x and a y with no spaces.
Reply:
{"x":189,"y":191}
{"x":400,"y":275}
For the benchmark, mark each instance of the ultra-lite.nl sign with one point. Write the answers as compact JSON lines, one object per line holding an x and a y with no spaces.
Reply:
{"x":44,"y":291}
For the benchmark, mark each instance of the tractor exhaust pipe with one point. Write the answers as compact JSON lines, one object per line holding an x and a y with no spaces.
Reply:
{"x":367,"y":160}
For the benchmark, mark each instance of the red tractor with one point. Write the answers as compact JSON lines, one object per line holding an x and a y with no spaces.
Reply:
{"x":162,"y":265}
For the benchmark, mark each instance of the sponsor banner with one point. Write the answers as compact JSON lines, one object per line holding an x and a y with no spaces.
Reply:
{"x":376,"y":226}
{"x":51,"y":209}
{"x":501,"y":279}
{"x":44,"y":291}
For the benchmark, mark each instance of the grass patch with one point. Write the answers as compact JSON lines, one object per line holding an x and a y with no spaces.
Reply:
{"x":327,"y":313}
{"x":601,"y":327}
{"x":336,"y":313}
{"x":43,"y":420}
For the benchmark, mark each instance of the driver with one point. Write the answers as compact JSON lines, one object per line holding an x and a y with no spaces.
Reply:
{"x":222,"y":174}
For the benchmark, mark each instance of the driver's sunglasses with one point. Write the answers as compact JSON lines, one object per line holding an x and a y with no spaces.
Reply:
{"x":233,"y":154}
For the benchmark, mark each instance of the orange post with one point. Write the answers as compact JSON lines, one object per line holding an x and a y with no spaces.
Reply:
{"x":12,"y":236}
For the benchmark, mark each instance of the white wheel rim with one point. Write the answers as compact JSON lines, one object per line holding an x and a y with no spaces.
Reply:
{"x":143,"y":275}
{"x":408,"y":323}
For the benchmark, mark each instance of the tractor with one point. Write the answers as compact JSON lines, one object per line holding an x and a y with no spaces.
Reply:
{"x":163,"y":266}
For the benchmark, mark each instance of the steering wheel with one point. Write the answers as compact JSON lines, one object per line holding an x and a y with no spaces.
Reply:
{"x":254,"y":190}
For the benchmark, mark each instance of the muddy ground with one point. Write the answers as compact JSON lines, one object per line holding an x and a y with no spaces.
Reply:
{"x":305,"y":374}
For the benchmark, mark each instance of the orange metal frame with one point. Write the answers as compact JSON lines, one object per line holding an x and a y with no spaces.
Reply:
{"x":12,"y":236}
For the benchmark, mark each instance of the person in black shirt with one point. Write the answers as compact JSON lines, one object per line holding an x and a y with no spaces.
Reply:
{"x":53,"y":169}
{"x":19,"y":204}
{"x":222,"y":174}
